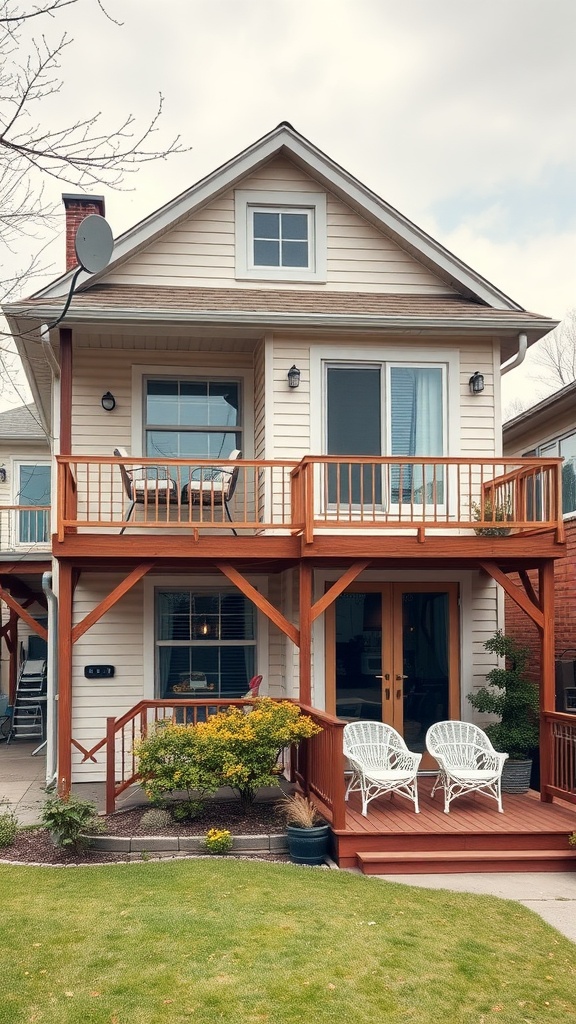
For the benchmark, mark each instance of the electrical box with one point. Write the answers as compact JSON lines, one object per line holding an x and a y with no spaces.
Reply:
{"x":99,"y":671}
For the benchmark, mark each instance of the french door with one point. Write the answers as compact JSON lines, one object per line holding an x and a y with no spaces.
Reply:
{"x":392,"y":656}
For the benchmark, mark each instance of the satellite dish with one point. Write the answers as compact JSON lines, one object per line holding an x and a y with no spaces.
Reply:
{"x":94,"y":243}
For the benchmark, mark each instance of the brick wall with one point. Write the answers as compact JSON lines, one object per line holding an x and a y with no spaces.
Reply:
{"x":77,"y":208}
{"x":523,"y":629}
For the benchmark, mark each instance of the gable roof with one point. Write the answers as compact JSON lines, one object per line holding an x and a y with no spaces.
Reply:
{"x":285,"y":140}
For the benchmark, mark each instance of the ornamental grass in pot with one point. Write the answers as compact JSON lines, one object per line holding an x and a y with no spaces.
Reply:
{"x":515,"y":699}
{"x":307,"y":834}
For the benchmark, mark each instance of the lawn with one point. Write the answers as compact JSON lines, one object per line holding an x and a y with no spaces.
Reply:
{"x":213,"y":940}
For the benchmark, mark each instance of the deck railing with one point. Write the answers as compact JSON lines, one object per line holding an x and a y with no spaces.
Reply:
{"x":24,"y":528}
{"x":561,"y":742}
{"x":492,"y":497}
{"x":317,"y":764}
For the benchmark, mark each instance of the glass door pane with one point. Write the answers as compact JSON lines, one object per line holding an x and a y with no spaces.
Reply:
{"x":358,"y":633}
{"x":34,"y":489}
{"x":354,"y":428}
{"x":425,"y":665}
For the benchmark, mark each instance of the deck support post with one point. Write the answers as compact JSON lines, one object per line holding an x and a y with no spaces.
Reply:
{"x":305,"y":602}
{"x":12,"y":644}
{"x":65,"y":601}
{"x":547,"y":669}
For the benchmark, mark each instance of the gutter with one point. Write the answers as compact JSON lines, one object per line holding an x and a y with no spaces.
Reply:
{"x":291,"y":319}
{"x":52,"y":683}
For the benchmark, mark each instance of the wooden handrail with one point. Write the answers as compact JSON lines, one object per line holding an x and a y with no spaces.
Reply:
{"x":328,"y":492}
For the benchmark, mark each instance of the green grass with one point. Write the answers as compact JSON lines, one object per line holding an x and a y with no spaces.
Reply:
{"x":211,"y":940}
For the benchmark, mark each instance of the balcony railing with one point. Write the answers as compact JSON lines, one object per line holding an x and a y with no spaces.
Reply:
{"x":491,"y":497}
{"x":24,"y":528}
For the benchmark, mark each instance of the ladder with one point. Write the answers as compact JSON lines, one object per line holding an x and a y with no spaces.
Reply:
{"x":28,"y":719}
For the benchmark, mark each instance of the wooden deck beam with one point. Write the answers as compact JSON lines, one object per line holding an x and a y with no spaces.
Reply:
{"x":520,"y":597}
{"x":261,"y":602}
{"x":23,"y":614}
{"x":338,"y":588}
{"x":110,"y":600}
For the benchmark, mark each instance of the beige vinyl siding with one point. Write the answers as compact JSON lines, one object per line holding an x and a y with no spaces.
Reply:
{"x":485,"y":622}
{"x":478,"y":412}
{"x":536,"y":435}
{"x":116,"y":639}
{"x":200,"y":251}
{"x":260,"y":401}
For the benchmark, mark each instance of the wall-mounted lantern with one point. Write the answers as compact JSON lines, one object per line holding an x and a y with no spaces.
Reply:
{"x":293,"y":377}
{"x":108,"y":401}
{"x":476,"y":383}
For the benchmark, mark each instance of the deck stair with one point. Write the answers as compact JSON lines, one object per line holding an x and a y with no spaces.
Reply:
{"x":529,"y":836}
{"x":462,"y":861}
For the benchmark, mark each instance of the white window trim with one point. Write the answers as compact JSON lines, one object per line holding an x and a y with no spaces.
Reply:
{"x":314,"y":203}
{"x":382,"y":356}
{"x":141,"y":372}
{"x":197,"y":583}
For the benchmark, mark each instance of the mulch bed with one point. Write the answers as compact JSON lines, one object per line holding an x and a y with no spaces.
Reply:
{"x":35,"y":845}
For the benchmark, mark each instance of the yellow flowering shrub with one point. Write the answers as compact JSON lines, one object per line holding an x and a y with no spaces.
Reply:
{"x":230,"y":748}
{"x":218,"y":840}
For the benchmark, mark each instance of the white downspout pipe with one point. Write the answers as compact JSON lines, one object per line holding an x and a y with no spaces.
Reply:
{"x":515,"y":361}
{"x":52,"y":682}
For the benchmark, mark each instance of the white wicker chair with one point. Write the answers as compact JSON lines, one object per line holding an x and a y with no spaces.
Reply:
{"x":380,"y":762}
{"x":467,"y":760}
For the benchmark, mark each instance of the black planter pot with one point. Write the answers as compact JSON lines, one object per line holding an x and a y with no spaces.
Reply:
{"x":308,"y":845}
{"x":516,"y":776}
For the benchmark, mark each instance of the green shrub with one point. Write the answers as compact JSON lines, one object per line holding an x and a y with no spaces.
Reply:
{"x":156,"y":818}
{"x":512,"y":696}
{"x":70,"y":821}
{"x":231,"y":748}
{"x":8,"y":827}
{"x":187,"y":810}
{"x":218,"y":840}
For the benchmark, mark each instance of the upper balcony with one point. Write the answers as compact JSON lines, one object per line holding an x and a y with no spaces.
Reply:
{"x":349,"y":496}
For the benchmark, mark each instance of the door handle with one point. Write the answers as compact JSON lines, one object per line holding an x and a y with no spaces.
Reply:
{"x":387,"y":693}
{"x":399,"y":678}
{"x":386,"y":675}
{"x":398,"y":694}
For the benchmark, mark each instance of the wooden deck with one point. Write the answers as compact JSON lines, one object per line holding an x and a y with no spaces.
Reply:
{"x":393,"y":839}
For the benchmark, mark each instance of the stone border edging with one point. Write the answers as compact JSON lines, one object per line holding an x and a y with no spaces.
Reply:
{"x":186,"y":844}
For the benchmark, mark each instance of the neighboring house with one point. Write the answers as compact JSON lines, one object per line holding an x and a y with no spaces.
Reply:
{"x":549,"y":429}
{"x":280,"y":309}
{"x":25,"y":535}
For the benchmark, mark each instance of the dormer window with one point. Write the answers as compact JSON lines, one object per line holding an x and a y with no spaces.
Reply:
{"x":280,"y":236}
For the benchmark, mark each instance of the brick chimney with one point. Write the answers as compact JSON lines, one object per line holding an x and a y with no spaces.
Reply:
{"x":77,"y":208}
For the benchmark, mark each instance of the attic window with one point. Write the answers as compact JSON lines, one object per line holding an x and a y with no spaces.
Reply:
{"x":280,"y":236}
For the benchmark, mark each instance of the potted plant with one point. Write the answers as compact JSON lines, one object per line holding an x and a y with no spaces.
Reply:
{"x":512,"y":696}
{"x":489,"y":511}
{"x":307,"y":834}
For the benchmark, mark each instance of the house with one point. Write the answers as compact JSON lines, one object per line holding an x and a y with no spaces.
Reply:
{"x":277,"y":450}
{"x":549,"y":429}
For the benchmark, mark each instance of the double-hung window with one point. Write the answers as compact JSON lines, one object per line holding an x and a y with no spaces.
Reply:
{"x":190,"y":419}
{"x":385,"y":409}
{"x":280,"y":235}
{"x":205,"y":643}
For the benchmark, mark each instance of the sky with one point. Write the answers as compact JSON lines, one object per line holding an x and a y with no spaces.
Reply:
{"x":460,"y":114}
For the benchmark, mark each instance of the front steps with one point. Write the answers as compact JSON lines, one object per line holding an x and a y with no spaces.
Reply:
{"x":462,"y":861}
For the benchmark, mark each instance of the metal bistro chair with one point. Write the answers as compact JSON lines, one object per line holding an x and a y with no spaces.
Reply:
{"x":380,"y":762}
{"x":213,"y":485}
{"x":149,"y":486}
{"x":467,"y":760}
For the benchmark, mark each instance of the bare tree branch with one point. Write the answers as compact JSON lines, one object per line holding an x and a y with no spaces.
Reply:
{"x":555,"y":355}
{"x":82,"y":154}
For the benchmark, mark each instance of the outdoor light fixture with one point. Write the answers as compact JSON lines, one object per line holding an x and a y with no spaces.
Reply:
{"x":476,"y":383}
{"x":108,"y":401}
{"x":2,"y":474}
{"x":293,"y":377}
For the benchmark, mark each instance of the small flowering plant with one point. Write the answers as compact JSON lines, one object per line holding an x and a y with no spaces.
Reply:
{"x":218,"y":840}
{"x":572,"y":839}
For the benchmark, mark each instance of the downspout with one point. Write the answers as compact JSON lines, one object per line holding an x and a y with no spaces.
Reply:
{"x":49,"y":351}
{"x":52,"y":682}
{"x":515,"y":361}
